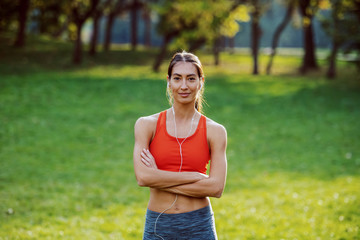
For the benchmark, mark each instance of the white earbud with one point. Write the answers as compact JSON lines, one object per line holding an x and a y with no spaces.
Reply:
{"x":201,"y":85}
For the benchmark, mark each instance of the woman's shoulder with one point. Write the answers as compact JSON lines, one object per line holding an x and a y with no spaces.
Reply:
{"x":147,"y":122}
{"x":215,"y":129}
{"x":214,"y":125}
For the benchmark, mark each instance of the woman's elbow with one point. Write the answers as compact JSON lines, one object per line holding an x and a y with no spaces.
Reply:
{"x":142,"y":181}
{"x":218,"y":192}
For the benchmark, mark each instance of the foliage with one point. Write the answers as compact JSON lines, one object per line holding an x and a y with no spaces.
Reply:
{"x":8,"y":14}
{"x":201,"y":19}
{"x":49,"y":14}
{"x":343,"y":24}
{"x":66,"y":139}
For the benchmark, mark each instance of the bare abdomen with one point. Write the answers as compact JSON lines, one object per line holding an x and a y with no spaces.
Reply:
{"x":161,"y":200}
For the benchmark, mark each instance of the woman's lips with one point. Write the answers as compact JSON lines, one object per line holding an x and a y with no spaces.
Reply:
{"x":184,"y":95}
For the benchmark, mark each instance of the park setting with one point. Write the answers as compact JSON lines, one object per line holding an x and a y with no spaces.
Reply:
{"x":282,"y":76}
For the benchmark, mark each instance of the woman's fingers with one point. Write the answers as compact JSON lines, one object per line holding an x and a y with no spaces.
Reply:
{"x":145,"y":162}
{"x":153,"y":162}
{"x":149,"y":157}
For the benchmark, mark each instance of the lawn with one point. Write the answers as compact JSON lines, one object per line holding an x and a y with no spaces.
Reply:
{"x":66,"y":140}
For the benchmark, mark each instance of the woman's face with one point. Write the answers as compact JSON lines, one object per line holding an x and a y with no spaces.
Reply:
{"x":184,"y":82}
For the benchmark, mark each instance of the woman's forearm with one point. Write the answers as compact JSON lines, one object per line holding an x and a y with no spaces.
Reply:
{"x":156,"y":178}
{"x":209,"y":187}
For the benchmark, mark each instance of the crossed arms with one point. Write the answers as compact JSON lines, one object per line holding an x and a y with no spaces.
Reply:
{"x":192,"y":184}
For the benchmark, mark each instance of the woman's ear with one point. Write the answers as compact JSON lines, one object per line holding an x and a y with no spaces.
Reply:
{"x":202,"y":80}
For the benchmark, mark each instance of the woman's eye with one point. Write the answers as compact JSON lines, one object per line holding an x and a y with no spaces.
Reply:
{"x":176,"y":78}
{"x":192,"y":79}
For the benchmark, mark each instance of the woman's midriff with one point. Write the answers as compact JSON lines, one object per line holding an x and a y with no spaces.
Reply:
{"x":161,"y":200}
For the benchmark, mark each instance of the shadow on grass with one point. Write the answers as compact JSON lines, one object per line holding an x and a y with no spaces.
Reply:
{"x":42,"y":54}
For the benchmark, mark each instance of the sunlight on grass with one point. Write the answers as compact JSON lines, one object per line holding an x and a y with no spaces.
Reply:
{"x":285,"y":206}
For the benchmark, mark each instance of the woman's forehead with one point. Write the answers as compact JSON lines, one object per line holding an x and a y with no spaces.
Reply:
{"x":184,"y":68}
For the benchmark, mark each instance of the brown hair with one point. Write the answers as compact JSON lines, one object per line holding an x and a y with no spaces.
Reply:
{"x":188,"y":57}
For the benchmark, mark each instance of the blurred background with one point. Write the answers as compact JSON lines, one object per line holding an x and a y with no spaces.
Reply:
{"x":281,"y":75}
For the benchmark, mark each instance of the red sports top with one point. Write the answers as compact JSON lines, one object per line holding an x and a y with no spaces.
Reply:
{"x":195,"y":149}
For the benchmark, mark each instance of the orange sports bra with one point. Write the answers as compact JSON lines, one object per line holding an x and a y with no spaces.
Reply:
{"x":166,"y":150}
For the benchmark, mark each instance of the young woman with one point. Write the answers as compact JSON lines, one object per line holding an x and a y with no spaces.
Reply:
{"x":171,"y":154}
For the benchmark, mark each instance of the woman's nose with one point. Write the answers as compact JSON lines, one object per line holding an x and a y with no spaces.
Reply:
{"x":183,"y":84}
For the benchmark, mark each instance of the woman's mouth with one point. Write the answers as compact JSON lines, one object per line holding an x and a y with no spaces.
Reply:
{"x":184,"y":95}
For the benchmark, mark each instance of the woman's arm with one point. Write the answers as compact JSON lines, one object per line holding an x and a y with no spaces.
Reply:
{"x":213,"y":186}
{"x":151,"y":176}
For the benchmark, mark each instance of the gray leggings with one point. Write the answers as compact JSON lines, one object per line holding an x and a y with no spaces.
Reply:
{"x":194,"y":225}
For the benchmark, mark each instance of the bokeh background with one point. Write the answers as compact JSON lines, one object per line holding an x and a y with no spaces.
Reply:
{"x":281,"y":75}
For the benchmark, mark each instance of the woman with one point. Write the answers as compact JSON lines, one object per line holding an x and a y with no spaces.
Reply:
{"x":171,"y":154}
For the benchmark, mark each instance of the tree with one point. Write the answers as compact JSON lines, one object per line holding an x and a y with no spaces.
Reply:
{"x":49,"y":15}
{"x":192,"y":24}
{"x":146,"y":15}
{"x":23,"y":9}
{"x":255,"y":34}
{"x":98,"y":13}
{"x":278,"y":31}
{"x":80,"y":12}
{"x":256,"y":9}
{"x":115,"y":9}
{"x":307,"y":9}
{"x":225,"y":24}
{"x":134,"y":7}
{"x":9,"y":13}
{"x":343,"y":27}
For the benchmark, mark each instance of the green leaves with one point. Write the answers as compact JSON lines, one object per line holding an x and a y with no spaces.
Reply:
{"x":201,"y":19}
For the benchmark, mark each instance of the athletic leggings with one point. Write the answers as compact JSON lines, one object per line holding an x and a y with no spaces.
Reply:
{"x":194,"y":225}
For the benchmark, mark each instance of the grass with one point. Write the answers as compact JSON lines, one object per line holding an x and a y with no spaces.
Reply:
{"x":66,"y":139}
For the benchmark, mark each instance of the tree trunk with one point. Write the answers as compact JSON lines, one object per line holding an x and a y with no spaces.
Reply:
{"x":216,"y":51}
{"x":24,"y":6}
{"x":331,"y":72}
{"x":277,"y":34}
{"x":336,"y":42}
{"x":95,"y":33}
{"x":232,"y":45}
{"x":255,"y":37}
{"x":79,"y":20}
{"x":62,"y":29}
{"x":108,"y":31}
{"x":195,"y":45}
{"x":147,"y":29}
{"x":134,"y":25}
{"x":309,"y":58}
{"x":162,"y":53}
{"x":77,"y":56}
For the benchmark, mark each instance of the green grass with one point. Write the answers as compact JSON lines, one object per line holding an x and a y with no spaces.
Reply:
{"x":66,"y":139}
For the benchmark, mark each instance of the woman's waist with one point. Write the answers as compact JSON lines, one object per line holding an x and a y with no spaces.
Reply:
{"x":161,"y":200}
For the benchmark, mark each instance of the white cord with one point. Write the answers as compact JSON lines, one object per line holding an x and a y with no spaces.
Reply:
{"x":181,"y":163}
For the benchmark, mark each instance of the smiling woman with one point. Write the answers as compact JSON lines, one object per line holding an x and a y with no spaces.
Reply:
{"x":171,"y":154}
{"x":189,"y":63}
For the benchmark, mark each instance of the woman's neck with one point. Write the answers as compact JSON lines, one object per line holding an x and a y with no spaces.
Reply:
{"x":184,"y":112}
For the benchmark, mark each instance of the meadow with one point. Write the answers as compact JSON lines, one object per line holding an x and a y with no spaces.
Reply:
{"x":66,"y":141}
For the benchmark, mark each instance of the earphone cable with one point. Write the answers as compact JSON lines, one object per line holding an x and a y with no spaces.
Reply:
{"x":181,"y":163}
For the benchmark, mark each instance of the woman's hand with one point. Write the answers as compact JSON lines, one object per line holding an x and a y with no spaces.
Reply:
{"x":148,"y":159}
